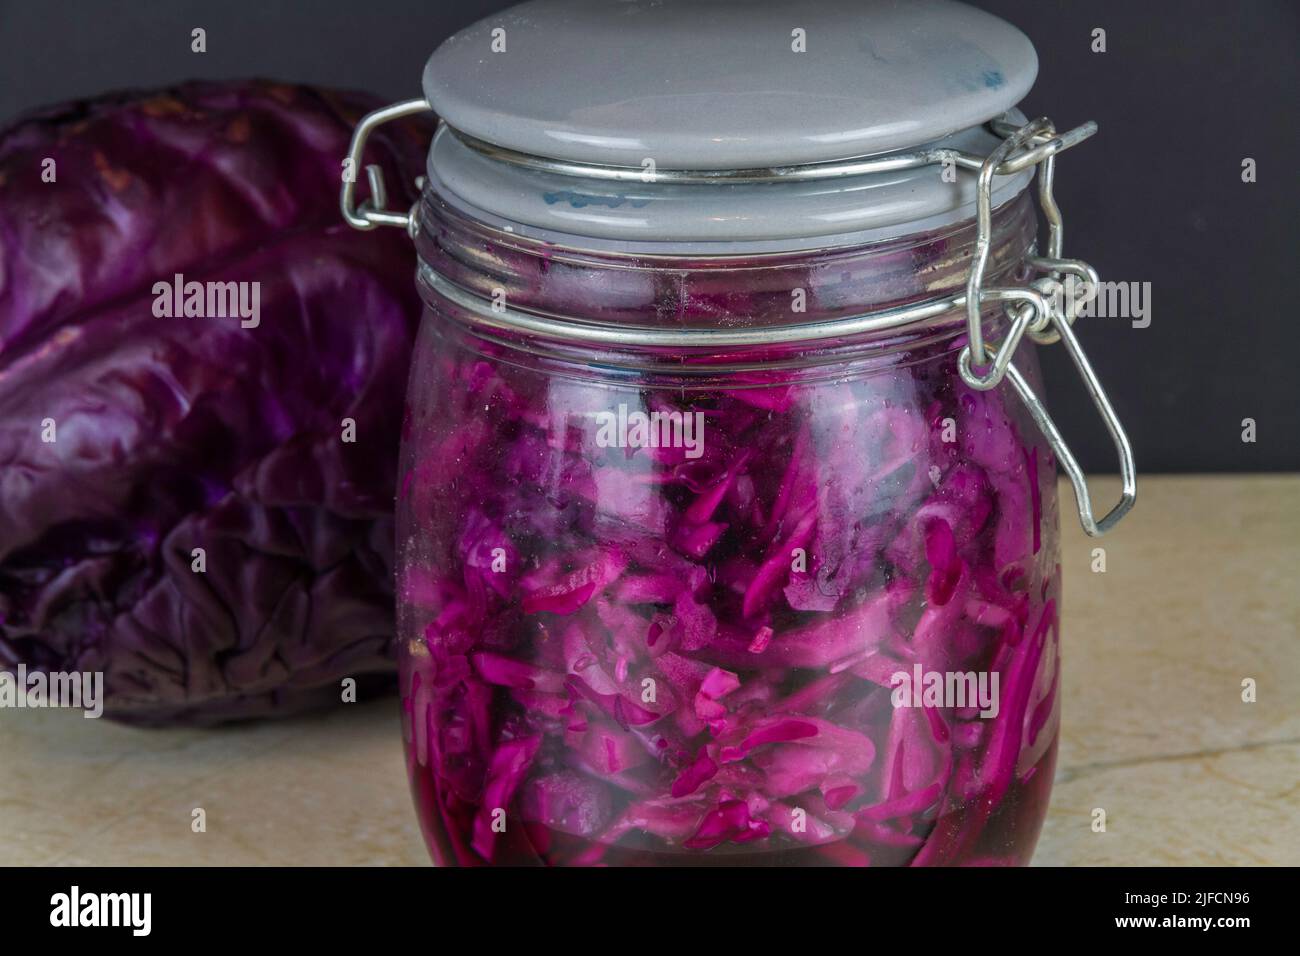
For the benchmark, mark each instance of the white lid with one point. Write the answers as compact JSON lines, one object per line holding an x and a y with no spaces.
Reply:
{"x":723,"y":84}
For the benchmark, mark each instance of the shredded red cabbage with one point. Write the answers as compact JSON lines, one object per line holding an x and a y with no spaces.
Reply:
{"x":622,"y":655}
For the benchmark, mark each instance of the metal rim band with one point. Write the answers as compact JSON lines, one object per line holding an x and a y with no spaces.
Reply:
{"x":504,"y":318}
{"x":569,"y":329}
{"x":1009,"y":164}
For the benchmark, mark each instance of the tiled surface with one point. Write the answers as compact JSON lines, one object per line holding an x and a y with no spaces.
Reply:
{"x":1201,"y":590}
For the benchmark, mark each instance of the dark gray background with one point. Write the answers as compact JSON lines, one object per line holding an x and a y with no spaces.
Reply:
{"x":1184,"y":92}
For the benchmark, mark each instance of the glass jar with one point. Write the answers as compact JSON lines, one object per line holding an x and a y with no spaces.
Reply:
{"x":692,"y":607}
{"x":727,"y":525}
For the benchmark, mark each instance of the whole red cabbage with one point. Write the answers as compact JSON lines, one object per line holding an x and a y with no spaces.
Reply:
{"x":177,"y":433}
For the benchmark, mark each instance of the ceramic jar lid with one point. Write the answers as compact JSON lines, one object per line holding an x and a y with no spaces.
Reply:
{"x":721,"y":84}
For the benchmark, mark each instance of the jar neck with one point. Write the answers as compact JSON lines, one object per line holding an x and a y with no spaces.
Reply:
{"x":710,"y":291}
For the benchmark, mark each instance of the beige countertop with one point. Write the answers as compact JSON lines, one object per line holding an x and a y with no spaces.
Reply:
{"x":1200,"y":592}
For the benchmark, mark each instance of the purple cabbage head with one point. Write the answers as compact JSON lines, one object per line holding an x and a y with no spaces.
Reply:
{"x":200,"y":507}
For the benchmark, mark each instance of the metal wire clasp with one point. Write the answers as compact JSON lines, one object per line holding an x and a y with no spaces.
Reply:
{"x":373,"y":211}
{"x":1045,"y":311}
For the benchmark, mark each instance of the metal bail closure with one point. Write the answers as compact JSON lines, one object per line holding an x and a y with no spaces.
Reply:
{"x":373,"y":211}
{"x":1128,"y":476}
{"x":1044,"y":311}
{"x":1044,"y":314}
